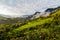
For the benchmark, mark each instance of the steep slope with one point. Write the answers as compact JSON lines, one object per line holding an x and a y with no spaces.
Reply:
{"x":41,"y":21}
{"x":41,"y":28}
{"x":46,"y":25}
{"x":47,"y":12}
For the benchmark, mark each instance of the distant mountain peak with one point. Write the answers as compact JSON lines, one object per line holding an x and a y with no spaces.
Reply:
{"x":50,"y":9}
{"x":37,"y":13}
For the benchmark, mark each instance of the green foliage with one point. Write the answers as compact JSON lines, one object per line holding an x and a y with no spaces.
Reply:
{"x":47,"y":28}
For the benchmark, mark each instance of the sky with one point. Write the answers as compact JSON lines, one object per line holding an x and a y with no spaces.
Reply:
{"x":16,"y":8}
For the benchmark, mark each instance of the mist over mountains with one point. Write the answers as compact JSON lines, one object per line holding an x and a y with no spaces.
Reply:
{"x":4,"y":19}
{"x":36,"y":14}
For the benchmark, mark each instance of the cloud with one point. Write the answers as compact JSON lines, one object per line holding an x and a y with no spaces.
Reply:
{"x":16,"y":11}
{"x":25,"y":7}
{"x":6,"y":10}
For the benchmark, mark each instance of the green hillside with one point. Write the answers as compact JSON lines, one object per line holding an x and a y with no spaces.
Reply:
{"x":42,"y":28}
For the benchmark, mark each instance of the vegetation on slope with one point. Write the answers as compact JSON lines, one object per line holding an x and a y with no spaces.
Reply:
{"x":46,"y":28}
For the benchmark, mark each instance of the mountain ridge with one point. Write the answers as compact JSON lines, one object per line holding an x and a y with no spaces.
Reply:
{"x":27,"y":18}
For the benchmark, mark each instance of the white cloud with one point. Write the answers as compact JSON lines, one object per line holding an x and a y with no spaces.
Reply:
{"x":16,"y":11}
{"x":24,"y":7}
{"x":6,"y":10}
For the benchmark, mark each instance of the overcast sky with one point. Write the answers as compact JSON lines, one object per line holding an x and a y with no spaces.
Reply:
{"x":24,"y":7}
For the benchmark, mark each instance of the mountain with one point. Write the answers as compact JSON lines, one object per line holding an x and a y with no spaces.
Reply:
{"x":35,"y":15}
{"x":5,"y":19}
{"x":50,"y":9}
{"x":46,"y":13}
{"x":38,"y":14}
{"x":26,"y":18}
{"x":39,"y":29}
